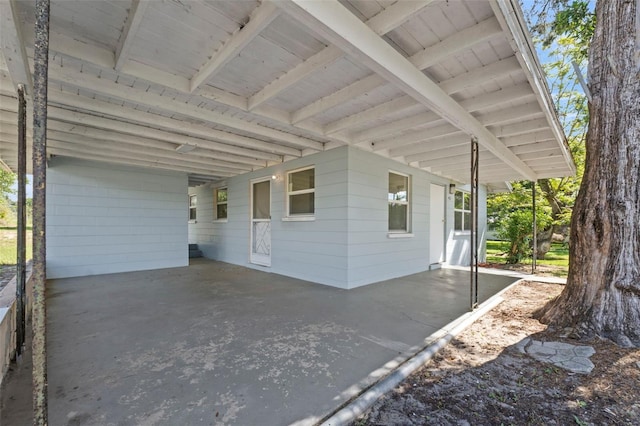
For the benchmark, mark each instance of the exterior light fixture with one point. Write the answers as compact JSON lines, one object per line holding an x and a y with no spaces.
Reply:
{"x":452,"y":188}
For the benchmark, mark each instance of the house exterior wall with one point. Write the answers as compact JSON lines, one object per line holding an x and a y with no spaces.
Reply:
{"x":310,"y":250}
{"x":458,"y":242}
{"x":373,"y":254}
{"x":105,"y":218}
{"x":347,"y":244}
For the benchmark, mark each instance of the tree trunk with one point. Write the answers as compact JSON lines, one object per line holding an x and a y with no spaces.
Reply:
{"x":543,"y":240}
{"x":602,"y":295}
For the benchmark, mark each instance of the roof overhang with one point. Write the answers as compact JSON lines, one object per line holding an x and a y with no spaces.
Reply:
{"x":246,"y":85}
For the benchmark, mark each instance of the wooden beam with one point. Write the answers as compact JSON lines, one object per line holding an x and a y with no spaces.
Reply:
{"x":76,"y":118}
{"x":456,"y":43}
{"x":261,"y":17}
{"x":421,"y":120}
{"x":104,"y":59}
{"x":394,"y":105}
{"x":334,"y":22}
{"x":131,"y":27}
{"x":219,"y":159}
{"x":236,"y":144}
{"x":384,"y":22}
{"x":517,"y":113}
{"x":12,"y":45}
{"x":494,"y":71}
{"x":321,"y":59}
{"x":165,"y":103}
{"x":341,"y":96}
{"x":529,"y":126}
{"x":127,"y":160}
{"x":527,"y":138}
{"x":413,"y":137}
{"x":99,"y":147}
{"x":427,"y":145}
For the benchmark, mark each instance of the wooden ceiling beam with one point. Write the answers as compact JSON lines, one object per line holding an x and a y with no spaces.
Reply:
{"x":165,"y":103}
{"x":429,"y":56}
{"x":233,"y":143}
{"x":100,"y":146}
{"x":261,"y":17}
{"x":83,"y":154}
{"x":334,"y":22}
{"x":12,"y":45}
{"x":382,"y":23}
{"x":128,"y":35}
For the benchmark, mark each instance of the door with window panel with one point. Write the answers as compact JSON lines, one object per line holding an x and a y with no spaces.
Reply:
{"x":260,"y":253}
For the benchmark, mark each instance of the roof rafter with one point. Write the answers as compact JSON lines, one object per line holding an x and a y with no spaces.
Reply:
{"x":12,"y":45}
{"x":104,"y":59}
{"x":382,"y":23}
{"x":334,"y":22}
{"x":431,"y":55}
{"x":165,"y":103}
{"x":261,"y":17}
{"x":138,"y":7}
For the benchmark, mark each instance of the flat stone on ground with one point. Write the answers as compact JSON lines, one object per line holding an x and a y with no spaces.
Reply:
{"x":563,"y":355}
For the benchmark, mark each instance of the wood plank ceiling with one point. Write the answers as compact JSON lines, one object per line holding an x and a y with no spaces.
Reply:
{"x":241,"y":85}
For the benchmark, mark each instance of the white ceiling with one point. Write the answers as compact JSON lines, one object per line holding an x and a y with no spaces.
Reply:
{"x":252,"y":84}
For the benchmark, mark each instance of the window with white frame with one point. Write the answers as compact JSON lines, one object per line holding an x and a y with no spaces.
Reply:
{"x":462,"y":211}
{"x":399,"y":202}
{"x":301,"y":189}
{"x":193,"y":200}
{"x":220,"y":203}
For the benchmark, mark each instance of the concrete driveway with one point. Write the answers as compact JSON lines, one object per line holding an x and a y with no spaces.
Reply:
{"x":214,"y":343}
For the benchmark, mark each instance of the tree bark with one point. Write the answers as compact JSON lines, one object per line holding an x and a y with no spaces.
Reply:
{"x":602,"y":295}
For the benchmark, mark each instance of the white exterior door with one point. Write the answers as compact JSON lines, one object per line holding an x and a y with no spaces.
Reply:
{"x":260,"y":253}
{"x":436,"y":224}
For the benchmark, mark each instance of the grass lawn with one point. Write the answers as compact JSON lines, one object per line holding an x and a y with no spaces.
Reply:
{"x":558,"y":256}
{"x":8,"y":250}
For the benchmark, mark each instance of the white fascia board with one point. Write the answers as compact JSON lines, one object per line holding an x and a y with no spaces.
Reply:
{"x":513,"y":23}
{"x":335,"y":23}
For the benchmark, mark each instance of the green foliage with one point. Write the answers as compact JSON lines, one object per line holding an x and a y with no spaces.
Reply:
{"x":7,"y":179}
{"x":510,"y":215}
{"x":563,"y":29}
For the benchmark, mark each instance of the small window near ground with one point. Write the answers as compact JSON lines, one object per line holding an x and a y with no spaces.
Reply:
{"x":220,"y":201}
{"x":193,"y":200}
{"x":462,"y":211}
{"x":301,"y":192}
{"x":398,"y":198}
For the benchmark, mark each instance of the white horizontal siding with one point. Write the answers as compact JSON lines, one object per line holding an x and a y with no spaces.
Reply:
{"x":348,"y":244}
{"x":314,"y":251}
{"x":104,"y":218}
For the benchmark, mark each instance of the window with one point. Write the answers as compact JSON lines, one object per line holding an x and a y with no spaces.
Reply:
{"x":398,"y":198}
{"x":193,"y":200}
{"x":462,"y":211}
{"x":220,"y":203}
{"x":301,"y":192}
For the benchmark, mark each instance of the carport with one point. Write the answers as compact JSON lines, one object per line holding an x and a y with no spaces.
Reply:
{"x":210,"y":90}
{"x":215,"y":343}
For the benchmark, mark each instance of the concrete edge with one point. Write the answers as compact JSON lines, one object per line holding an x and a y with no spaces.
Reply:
{"x":526,"y":277}
{"x":348,"y":412}
{"x":8,"y":324}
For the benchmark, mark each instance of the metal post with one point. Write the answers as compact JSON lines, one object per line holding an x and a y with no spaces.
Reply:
{"x":535,"y":228}
{"x":474,"y":222}
{"x":40,"y":79}
{"x":22,"y":224}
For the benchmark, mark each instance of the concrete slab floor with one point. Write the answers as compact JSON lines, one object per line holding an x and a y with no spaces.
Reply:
{"x":215,"y":343}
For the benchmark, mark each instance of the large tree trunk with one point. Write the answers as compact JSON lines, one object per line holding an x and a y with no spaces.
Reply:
{"x":602,"y":296}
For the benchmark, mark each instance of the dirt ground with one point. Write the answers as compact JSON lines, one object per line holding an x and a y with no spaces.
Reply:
{"x":481,"y":379}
